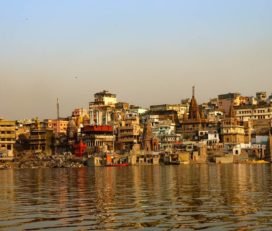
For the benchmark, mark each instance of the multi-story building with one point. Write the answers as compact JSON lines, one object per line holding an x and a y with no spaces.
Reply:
{"x":155,"y":116}
{"x":41,"y":139}
{"x":165,"y":131}
{"x":226,"y":100}
{"x":104,"y":98}
{"x":58,"y":126}
{"x":102,"y":108}
{"x":181,"y":109}
{"x":81,"y":117}
{"x":232,"y":130}
{"x":7,"y":138}
{"x":253,"y":112}
{"x":122,"y":106}
{"x":98,"y":137}
{"x":129,"y":132}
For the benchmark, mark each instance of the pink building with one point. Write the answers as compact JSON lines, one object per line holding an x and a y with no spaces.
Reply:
{"x":58,"y":126}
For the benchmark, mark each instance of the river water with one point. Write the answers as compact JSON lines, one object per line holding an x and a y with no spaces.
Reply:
{"x":185,"y":197}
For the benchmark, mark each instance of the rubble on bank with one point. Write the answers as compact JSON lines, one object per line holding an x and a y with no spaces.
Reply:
{"x":41,"y":160}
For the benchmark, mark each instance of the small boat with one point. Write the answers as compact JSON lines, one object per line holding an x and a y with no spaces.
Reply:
{"x":172,"y":162}
{"x":117,"y":165}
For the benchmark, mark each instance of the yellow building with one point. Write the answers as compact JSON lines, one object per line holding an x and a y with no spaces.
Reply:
{"x":7,"y":138}
{"x":232,"y":131}
{"x":129,"y":131}
{"x":181,"y":109}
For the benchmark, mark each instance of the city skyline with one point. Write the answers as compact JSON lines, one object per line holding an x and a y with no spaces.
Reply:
{"x":145,"y":52}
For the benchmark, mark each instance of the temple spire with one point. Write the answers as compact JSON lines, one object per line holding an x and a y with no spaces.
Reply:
{"x":193,"y":109}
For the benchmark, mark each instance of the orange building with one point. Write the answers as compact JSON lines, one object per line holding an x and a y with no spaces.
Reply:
{"x":58,"y":126}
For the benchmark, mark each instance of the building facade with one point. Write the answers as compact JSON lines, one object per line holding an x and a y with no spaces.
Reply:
{"x":98,"y":138}
{"x":129,"y":131}
{"x":7,"y":138}
{"x":102,"y":108}
{"x":181,"y":109}
{"x":58,"y":126}
{"x":232,"y":130}
{"x":253,"y":112}
{"x":226,"y":100}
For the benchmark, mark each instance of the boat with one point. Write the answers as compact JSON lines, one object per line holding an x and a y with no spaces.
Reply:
{"x":172,"y":162}
{"x":117,"y":165}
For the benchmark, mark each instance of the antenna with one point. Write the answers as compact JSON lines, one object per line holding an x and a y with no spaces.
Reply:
{"x":193,"y":91}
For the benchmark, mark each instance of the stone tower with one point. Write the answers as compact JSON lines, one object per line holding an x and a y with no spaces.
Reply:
{"x":147,"y":137}
{"x":194,"y":110}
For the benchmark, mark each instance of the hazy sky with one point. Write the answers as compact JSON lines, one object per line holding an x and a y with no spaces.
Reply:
{"x":146,"y":51}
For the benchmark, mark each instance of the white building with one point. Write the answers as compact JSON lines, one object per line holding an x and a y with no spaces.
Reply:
{"x":254,"y":112}
{"x":102,"y":108}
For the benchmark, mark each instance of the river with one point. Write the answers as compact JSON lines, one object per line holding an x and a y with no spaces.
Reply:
{"x":185,"y":197}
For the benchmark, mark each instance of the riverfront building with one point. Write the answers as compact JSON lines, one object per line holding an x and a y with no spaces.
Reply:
{"x":7,"y":138}
{"x":98,"y":137}
{"x":232,"y":131}
{"x":195,"y":122}
{"x":129,"y":131}
{"x":41,"y":139}
{"x":101,"y":109}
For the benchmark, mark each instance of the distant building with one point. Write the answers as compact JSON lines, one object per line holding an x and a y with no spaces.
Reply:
{"x":165,"y":131}
{"x":129,"y":132}
{"x":41,"y":139}
{"x":7,"y":138}
{"x":181,"y":109}
{"x":253,"y":112}
{"x":232,"y":131}
{"x":102,"y":108}
{"x":58,"y":126}
{"x":226,"y":100}
{"x":105,"y":98}
{"x":195,"y":122}
{"x":155,"y":116}
{"x":261,"y":96}
{"x":137,"y":109}
{"x":215,"y":116}
{"x":81,"y":117}
{"x":122,"y":106}
{"x":98,"y":137}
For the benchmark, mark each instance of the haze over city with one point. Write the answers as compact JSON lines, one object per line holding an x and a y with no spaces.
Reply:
{"x":146,"y":52}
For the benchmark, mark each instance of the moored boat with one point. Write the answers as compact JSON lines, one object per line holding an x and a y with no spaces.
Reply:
{"x":117,"y":165}
{"x":172,"y":162}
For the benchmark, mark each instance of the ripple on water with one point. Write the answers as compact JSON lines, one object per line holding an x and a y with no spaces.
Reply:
{"x":231,"y":197}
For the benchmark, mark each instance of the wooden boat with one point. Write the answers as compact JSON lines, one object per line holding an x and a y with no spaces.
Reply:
{"x":172,"y":162}
{"x":117,"y":165}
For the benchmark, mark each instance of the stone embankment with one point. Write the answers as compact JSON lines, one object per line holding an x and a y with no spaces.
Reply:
{"x":41,"y":160}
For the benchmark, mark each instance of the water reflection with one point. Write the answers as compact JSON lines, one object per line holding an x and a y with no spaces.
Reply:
{"x":231,"y":197}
